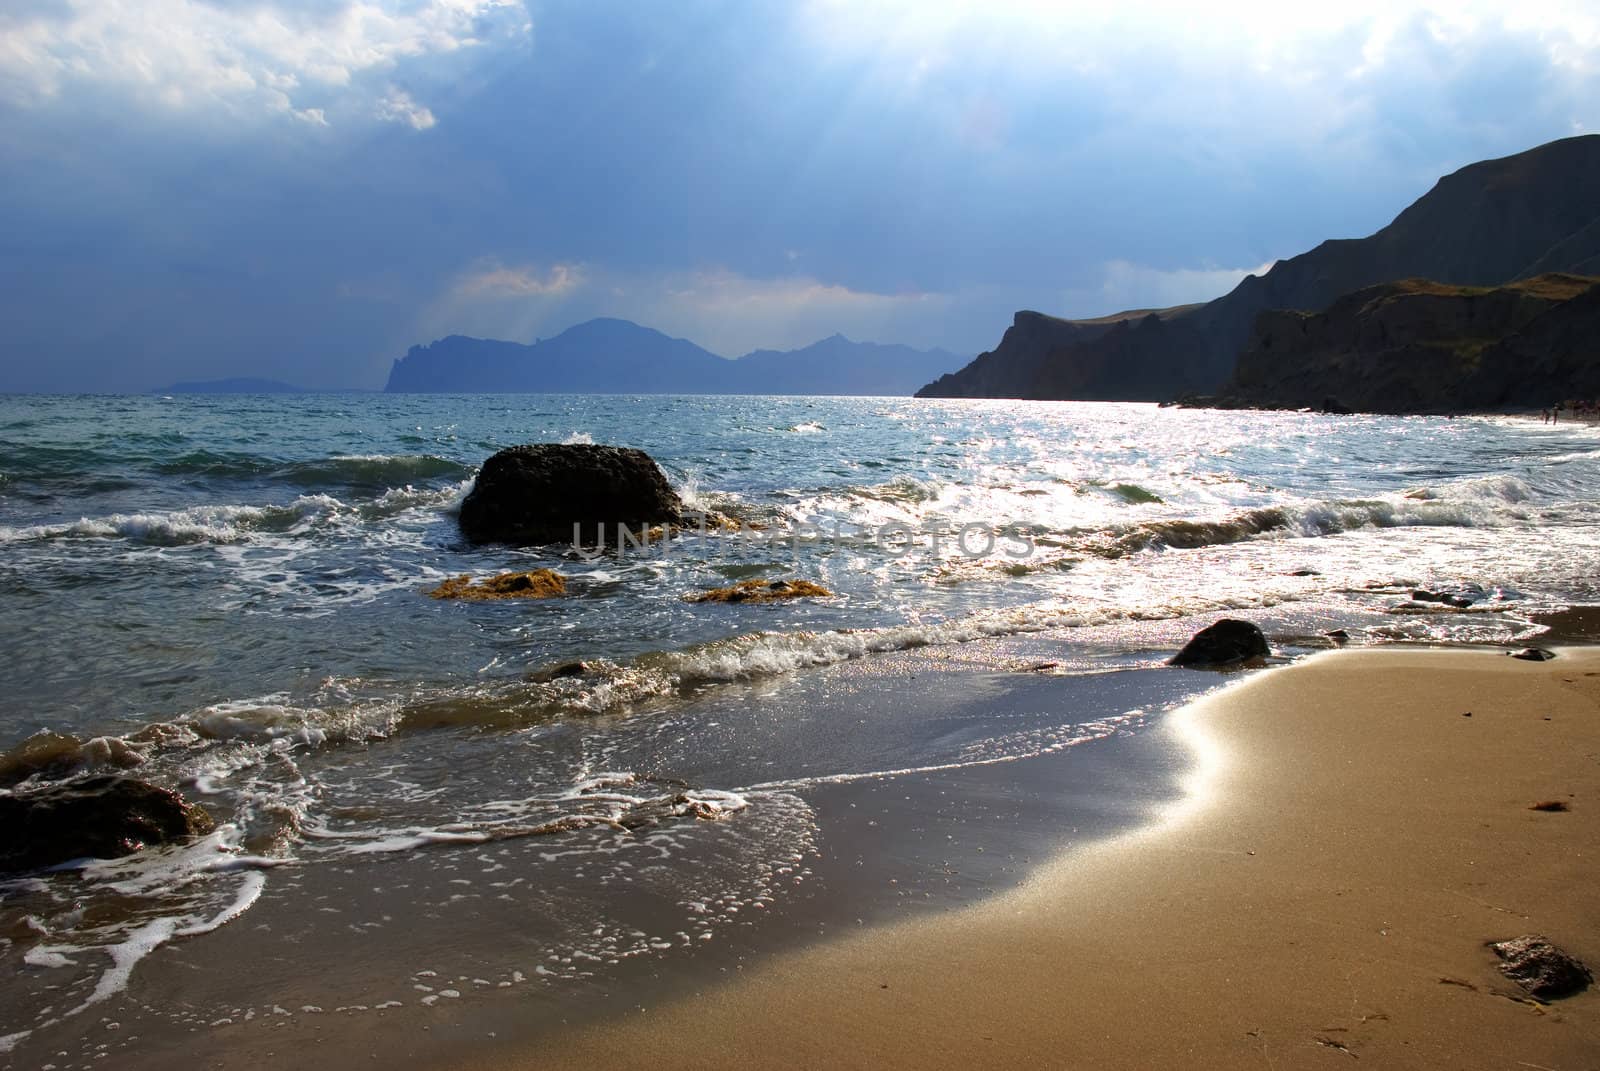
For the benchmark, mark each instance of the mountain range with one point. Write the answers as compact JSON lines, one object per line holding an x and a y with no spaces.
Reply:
{"x":1488,"y":224}
{"x":610,"y":356}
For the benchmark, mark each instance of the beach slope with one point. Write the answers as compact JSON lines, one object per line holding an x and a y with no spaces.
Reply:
{"x":1321,"y":899}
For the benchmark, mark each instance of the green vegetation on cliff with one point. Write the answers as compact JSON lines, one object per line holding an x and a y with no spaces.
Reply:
{"x":1419,"y":346}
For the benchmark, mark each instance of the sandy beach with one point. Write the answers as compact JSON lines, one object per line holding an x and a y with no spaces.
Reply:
{"x":1322,"y":896}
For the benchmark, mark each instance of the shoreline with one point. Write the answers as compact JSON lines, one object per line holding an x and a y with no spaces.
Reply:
{"x":1349,"y":843}
{"x":884,"y":848}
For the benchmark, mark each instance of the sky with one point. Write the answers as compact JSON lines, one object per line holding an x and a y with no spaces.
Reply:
{"x":303,"y":189}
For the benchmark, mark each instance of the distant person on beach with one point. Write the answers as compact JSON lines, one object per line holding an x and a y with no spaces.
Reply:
{"x":1544,"y":416}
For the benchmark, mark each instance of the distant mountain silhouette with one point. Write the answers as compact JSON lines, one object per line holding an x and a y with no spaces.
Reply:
{"x":836,"y":365}
{"x":609,"y":356}
{"x":1487,"y":224}
{"x":241,"y":385}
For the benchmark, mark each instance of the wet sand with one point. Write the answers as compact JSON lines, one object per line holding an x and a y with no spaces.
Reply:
{"x":408,"y":960}
{"x":1323,"y":895}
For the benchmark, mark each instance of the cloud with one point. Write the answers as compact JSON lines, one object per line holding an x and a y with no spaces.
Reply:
{"x":493,"y":280}
{"x":399,"y":107}
{"x":724,"y":311}
{"x":731,"y":314}
{"x":1126,"y":286}
{"x":249,"y":59}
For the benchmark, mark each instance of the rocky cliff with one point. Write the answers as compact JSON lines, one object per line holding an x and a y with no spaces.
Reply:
{"x":1487,"y":224}
{"x":1419,"y":346}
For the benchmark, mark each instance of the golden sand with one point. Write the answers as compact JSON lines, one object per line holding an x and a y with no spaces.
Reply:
{"x":1322,"y":898}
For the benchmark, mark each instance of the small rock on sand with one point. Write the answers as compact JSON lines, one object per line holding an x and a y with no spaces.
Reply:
{"x":1541,"y":968}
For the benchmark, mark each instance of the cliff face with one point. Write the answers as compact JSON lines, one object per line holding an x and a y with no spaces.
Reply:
{"x":1026,"y":364}
{"x":1420,"y":346}
{"x":1489,"y":223}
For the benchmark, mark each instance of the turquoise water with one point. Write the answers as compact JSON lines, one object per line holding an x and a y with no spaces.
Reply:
{"x":225,"y":595}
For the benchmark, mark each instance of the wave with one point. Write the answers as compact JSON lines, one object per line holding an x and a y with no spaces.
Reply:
{"x":184,"y":527}
{"x":354,"y":471}
{"x":226,"y":524}
{"x":1487,"y":503}
{"x":371,"y":471}
{"x":622,"y":801}
{"x":215,"y":464}
{"x":342,"y":714}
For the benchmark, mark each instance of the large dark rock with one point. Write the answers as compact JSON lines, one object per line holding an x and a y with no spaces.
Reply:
{"x":536,"y":493}
{"x":104,"y":816}
{"x":1226,"y":643}
{"x":1541,"y":968}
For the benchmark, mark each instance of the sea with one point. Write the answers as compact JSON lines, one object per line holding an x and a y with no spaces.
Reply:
{"x":440,"y":820}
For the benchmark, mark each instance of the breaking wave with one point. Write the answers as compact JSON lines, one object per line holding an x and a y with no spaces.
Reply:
{"x":224,"y":524}
{"x":1488,"y":503}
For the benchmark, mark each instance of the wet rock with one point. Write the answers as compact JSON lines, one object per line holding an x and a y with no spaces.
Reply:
{"x":1459,"y":602}
{"x":1541,"y":968}
{"x":763,"y":591}
{"x":536,"y":584}
{"x":102,"y":816}
{"x":562,"y":672}
{"x":1227,"y":642}
{"x":537,"y":493}
{"x":1533,"y":654}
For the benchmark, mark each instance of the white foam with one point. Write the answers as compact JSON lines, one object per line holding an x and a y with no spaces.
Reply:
{"x":270,"y":719}
{"x":40,"y":956}
{"x":125,"y":956}
{"x":219,"y":524}
{"x":250,"y":890}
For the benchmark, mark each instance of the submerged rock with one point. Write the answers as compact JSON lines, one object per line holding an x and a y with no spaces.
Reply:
{"x":537,"y":493}
{"x":1459,"y":601}
{"x":563,"y":671}
{"x":103,"y":817}
{"x":1541,"y":968}
{"x":1227,"y":642}
{"x":536,"y":584}
{"x":763,"y":591}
